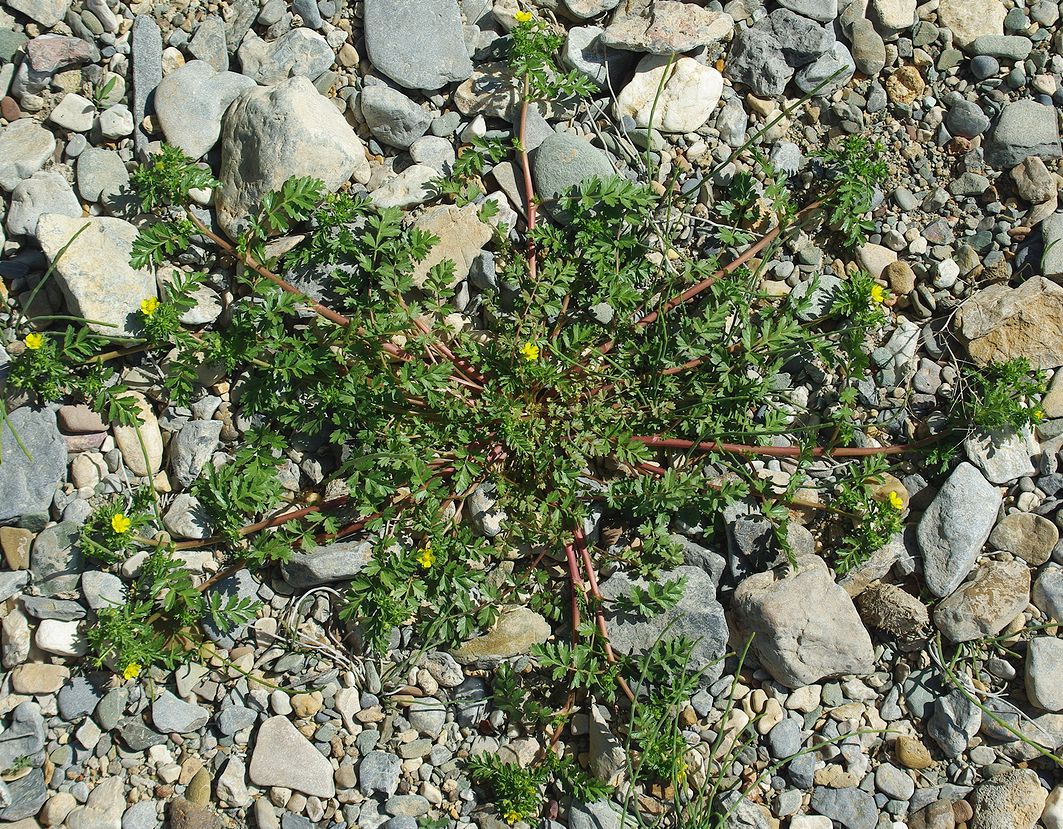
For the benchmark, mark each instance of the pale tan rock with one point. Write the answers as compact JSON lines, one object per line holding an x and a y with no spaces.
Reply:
{"x":999,"y":323}
{"x":125,"y":437}
{"x":461,"y":237}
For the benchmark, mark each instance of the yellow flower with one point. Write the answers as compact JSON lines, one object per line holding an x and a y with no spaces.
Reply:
{"x":878,"y":293}
{"x":149,"y":306}
{"x":896,"y":501}
{"x":522,"y":17}
{"x":512,"y":816}
{"x":132,"y":670}
{"x":681,"y":770}
{"x":1038,"y":414}
{"x":34,"y":341}
{"x":121,"y":524}
{"x":427,"y":558}
{"x":530,"y":352}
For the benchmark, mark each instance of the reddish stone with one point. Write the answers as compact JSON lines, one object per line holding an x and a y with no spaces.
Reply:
{"x":9,"y":109}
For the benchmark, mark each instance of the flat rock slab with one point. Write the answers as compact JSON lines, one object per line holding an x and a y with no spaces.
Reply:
{"x":1000,"y":323}
{"x":30,"y":472}
{"x":272,"y":133}
{"x":284,"y":757}
{"x":805,"y":626}
{"x":955,"y":526}
{"x":418,"y":45}
{"x":94,"y":272}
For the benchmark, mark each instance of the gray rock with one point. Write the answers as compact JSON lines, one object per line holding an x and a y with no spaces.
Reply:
{"x":437,"y":153}
{"x":115,"y":122}
{"x":412,"y":187}
{"x":190,"y":103}
{"x":142,"y":815}
{"x":392,"y":117}
{"x":565,"y":161}
{"x":326,"y":564}
{"x":94,"y":272}
{"x":109,"y":710}
{"x":208,"y":43}
{"x":798,"y":640}
{"x":851,"y":807}
{"x":966,"y":119}
{"x":284,"y":757}
{"x":146,"y":52}
{"x":837,"y":63}
{"x":587,"y":9}
{"x":1024,"y":128}
{"x":30,"y":472}
{"x":756,"y":59}
{"x":822,"y":10}
{"x":1048,"y":593}
{"x":1044,"y":673}
{"x":101,"y":175}
{"x":299,"y":53}
{"x":784,"y":740}
{"x":24,"y":736}
{"x":56,"y":560}
{"x":954,"y":722}
{"x":1052,"y":233}
{"x":186,"y":517}
{"x":73,"y":113}
{"x":893,"y":782}
{"x":869,"y":50}
{"x":241,"y":585}
{"x":40,"y":607}
{"x":427,"y":715}
{"x":24,"y":148}
{"x":698,"y":615}
{"x":102,"y":589}
{"x":802,"y":40}
{"x":78,"y":698}
{"x":172,"y":715}
{"x":137,"y":736}
{"x":996,"y":594}
{"x":585,"y":52}
{"x":46,"y":12}
{"x":307,"y":9}
{"x":235,"y":718}
{"x":419,"y":46}
{"x":1007,"y":47}
{"x":379,"y":772}
{"x":191,"y":448}
{"x":820,"y":297}
{"x":46,"y":191}
{"x":12,"y":583}
{"x":25,"y":797}
{"x":1002,"y":455}
{"x":955,"y":526}
{"x":662,"y":27}
{"x":602,"y":814}
{"x":272,"y":133}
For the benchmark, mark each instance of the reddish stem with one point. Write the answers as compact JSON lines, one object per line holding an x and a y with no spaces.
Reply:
{"x":529,"y":189}
{"x":706,"y":283}
{"x":776,"y":451}
{"x":592,"y":578}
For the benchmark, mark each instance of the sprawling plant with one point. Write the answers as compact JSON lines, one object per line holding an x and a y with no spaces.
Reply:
{"x":610,"y":366}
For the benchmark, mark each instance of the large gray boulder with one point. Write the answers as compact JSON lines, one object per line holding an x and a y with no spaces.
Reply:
{"x":94,"y":272}
{"x":805,"y":626}
{"x":24,"y":148}
{"x":326,"y":564}
{"x":418,"y":45}
{"x":273,"y":133}
{"x":1025,"y":128}
{"x":30,"y":472}
{"x":698,"y":615}
{"x":955,"y":526}
{"x":190,"y":103}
